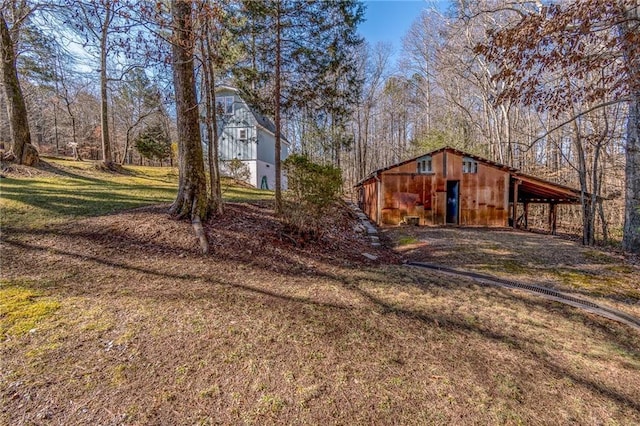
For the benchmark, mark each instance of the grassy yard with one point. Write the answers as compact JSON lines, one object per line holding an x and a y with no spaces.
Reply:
{"x":68,"y":190}
{"x":117,"y":319}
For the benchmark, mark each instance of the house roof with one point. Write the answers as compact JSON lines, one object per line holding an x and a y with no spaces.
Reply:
{"x":445,"y":148}
{"x":262,"y":120}
{"x":530,"y":188}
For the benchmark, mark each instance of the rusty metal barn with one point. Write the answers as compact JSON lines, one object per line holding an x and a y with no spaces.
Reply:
{"x":451,"y":187}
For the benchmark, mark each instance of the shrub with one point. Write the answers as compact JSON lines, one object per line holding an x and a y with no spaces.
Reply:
{"x":238,"y":170}
{"x":312,"y":191}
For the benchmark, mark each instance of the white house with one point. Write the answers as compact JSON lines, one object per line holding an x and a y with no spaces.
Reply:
{"x":245,"y":134}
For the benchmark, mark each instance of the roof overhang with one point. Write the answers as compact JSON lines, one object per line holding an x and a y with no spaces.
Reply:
{"x":535,"y":190}
{"x":282,"y":138}
{"x":222,"y":87}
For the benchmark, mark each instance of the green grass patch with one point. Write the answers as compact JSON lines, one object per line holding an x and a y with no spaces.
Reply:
{"x":406,"y":240}
{"x":599,"y":257}
{"x":599,"y":285}
{"x":79,"y":190}
{"x":242,"y":194}
{"x":577,"y":279}
{"x":22,"y":309}
{"x":622,"y":269}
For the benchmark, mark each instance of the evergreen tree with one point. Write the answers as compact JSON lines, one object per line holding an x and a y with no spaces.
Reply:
{"x":298,"y":57}
{"x":139,"y":100}
{"x":154,"y":143}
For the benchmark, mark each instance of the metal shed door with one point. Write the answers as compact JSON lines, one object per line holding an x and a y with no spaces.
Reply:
{"x":453,"y":197}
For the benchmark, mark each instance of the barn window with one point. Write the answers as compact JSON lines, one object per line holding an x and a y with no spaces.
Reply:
{"x":225,"y":105}
{"x":242,"y":134}
{"x":469,"y":165}
{"x":425,"y":164}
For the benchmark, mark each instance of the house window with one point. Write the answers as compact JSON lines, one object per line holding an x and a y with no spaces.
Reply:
{"x":225,"y":105}
{"x":242,"y":134}
{"x":469,"y":165}
{"x":425,"y":164}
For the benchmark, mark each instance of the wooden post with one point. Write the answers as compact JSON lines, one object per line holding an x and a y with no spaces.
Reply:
{"x":526,"y":215}
{"x":378,"y":199}
{"x":552,"y":218}
{"x":514,"y":214}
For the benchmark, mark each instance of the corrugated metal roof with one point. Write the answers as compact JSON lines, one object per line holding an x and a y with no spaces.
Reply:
{"x":445,"y":148}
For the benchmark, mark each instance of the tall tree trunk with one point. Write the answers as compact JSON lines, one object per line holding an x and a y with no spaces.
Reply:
{"x":631,"y":236}
{"x":104,"y":111}
{"x":22,"y":150}
{"x":191,"y":201}
{"x":278,"y":123}
{"x":127,"y":141}
{"x":211,"y":122}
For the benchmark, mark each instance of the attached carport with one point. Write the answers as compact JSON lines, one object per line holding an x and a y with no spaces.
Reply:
{"x":529,"y":190}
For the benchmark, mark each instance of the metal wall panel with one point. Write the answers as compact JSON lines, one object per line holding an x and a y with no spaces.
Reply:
{"x":483,"y":196}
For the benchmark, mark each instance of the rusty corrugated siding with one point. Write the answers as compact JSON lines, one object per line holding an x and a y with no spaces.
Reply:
{"x":483,"y":199}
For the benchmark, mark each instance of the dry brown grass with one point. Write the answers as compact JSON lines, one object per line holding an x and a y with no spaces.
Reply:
{"x":147,"y":331}
{"x":605,"y":276}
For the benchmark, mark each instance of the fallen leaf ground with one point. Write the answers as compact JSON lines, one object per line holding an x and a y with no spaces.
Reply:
{"x":145,"y":330}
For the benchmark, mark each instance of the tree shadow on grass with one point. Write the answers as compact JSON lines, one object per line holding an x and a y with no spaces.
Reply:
{"x":57,"y":170}
{"x":435,"y":319}
{"x":71,"y":202}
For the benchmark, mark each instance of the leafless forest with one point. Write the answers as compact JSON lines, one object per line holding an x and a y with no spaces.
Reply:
{"x":551,"y":90}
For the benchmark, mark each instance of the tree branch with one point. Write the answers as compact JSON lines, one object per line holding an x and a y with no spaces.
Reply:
{"x":575,"y":117}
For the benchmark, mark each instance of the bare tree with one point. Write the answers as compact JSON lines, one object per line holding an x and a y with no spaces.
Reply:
{"x":22,"y":151}
{"x":574,"y":40}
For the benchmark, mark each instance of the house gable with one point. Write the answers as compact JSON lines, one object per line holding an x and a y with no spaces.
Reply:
{"x":247,"y":135}
{"x":260,"y":130}
{"x":237,"y":131}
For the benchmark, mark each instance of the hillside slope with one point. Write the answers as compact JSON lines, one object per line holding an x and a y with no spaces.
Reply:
{"x":118,"y":319}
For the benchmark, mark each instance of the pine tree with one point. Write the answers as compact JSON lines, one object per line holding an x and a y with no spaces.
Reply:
{"x":298,"y":54}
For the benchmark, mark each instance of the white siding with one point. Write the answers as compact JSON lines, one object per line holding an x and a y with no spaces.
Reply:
{"x":266,"y":170}
{"x":253,"y":169}
{"x":267,"y":147}
{"x":257,"y":151}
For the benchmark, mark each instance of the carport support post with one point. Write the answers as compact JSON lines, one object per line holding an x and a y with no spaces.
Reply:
{"x":378,"y":199}
{"x":552,"y":217}
{"x":514,"y":214}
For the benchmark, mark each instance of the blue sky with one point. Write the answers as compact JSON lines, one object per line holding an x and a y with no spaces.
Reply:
{"x":389,"y":20}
